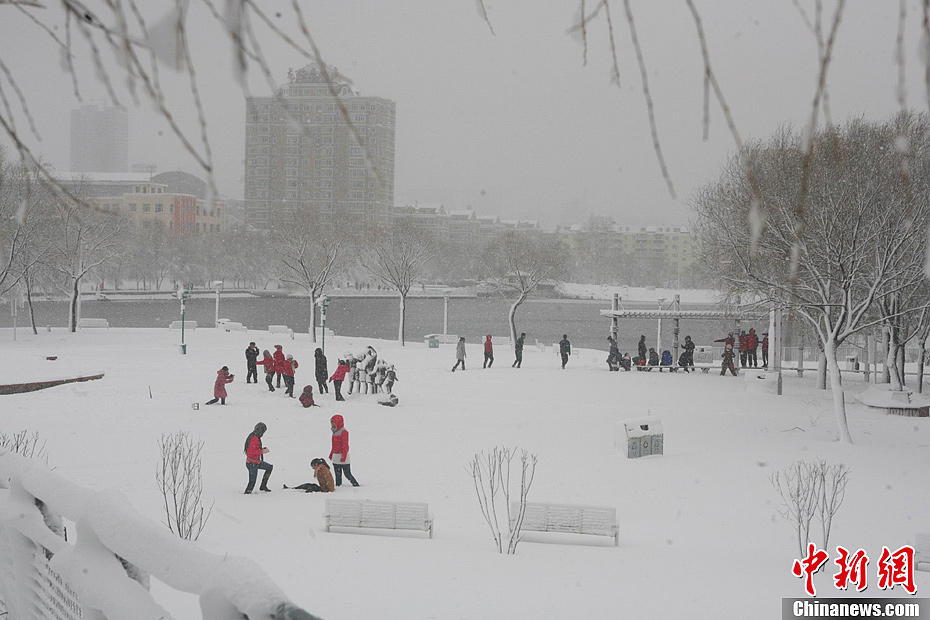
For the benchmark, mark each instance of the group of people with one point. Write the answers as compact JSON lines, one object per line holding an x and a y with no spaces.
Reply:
{"x":364,"y":371}
{"x":749,"y":344}
{"x":565,"y":350}
{"x":255,"y":452}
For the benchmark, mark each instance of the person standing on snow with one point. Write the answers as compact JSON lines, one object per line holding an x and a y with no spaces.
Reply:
{"x":338,"y":377}
{"x":251,"y":355}
{"x":488,"y":352}
{"x":255,"y":458}
{"x":269,"y":364}
{"x":460,"y":354}
{"x":322,"y":373}
{"x":728,"y":361}
{"x":743,"y":349}
{"x":219,"y":387}
{"x":765,"y":350}
{"x":641,"y":349}
{"x":339,"y":455}
{"x":752,"y":345}
{"x":279,"y":362}
{"x":687,"y":355}
{"x":518,"y":351}
{"x":288,"y":370}
{"x":565,"y":349}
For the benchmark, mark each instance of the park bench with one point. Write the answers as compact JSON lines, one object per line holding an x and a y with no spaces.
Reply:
{"x":93,"y":323}
{"x":442,"y":338}
{"x":281,"y":329}
{"x":542,"y":347}
{"x":378,"y":515}
{"x":922,"y":551}
{"x":594,"y":520}
{"x":188,"y":325}
{"x":232,"y":326}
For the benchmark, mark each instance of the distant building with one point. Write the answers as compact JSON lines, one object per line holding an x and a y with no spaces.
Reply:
{"x":99,"y":139}
{"x":302,"y":150}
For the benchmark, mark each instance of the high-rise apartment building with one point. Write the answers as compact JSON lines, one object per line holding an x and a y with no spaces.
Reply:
{"x":334,"y":154}
{"x":99,"y":139}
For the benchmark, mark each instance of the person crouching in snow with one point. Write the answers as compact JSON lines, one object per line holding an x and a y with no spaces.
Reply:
{"x":306,"y":397}
{"x":324,"y":479}
{"x":219,"y":388}
{"x":338,"y":377}
{"x":339,"y":455}
{"x":269,"y":364}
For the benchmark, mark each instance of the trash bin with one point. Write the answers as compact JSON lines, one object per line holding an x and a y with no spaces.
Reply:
{"x":852,"y":362}
{"x":644,"y":437}
{"x":434,"y":343}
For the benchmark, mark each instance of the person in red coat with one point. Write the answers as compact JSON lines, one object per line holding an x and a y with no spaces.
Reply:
{"x":279,"y":360}
{"x":306,"y":397}
{"x":728,"y":361}
{"x":743,"y":349}
{"x":752,"y":345}
{"x":219,"y":388}
{"x":255,"y":458}
{"x":269,"y":364}
{"x":765,"y":349}
{"x":288,"y":369}
{"x":338,"y":377}
{"x":488,"y":352}
{"x":339,"y":455}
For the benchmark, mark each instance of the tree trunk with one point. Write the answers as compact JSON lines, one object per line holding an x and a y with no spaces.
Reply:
{"x":822,"y":370}
{"x":312,"y":317}
{"x":839,"y":397}
{"x":886,"y":374}
{"x":511,"y":317}
{"x":891,"y":363}
{"x":73,"y":309}
{"x":403,"y":316}
{"x":922,"y":350}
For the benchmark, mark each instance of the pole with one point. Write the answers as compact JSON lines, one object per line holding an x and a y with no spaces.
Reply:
{"x":775,"y":351}
{"x":676,"y":331}
{"x":445,"y":312}
{"x":615,"y":322}
{"x":659,"y":330}
{"x":216,"y":322}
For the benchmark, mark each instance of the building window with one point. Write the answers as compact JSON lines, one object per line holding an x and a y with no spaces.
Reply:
{"x":159,"y":208}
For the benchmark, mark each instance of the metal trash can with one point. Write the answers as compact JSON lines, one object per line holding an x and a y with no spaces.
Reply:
{"x":434,"y":343}
{"x":644,"y":437}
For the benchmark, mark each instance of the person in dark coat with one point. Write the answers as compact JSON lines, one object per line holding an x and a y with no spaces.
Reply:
{"x":322,"y":373}
{"x":268,"y":362}
{"x":765,"y":349}
{"x":219,"y":386}
{"x":251,"y":356}
{"x":626,"y":362}
{"x":518,"y":351}
{"x":653,"y":358}
{"x":565,"y":349}
{"x":613,"y":357}
{"x":306,"y":397}
{"x":641,"y":349}
{"x":687,"y":355}
{"x":460,"y":354}
{"x":488,"y":352}
{"x":255,"y":458}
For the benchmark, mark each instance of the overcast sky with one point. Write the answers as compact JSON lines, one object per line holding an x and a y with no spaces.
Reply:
{"x":513,"y":123}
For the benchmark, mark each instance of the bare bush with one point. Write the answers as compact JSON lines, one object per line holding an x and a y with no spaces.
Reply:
{"x":491,"y":472}
{"x":180,"y":482}
{"x":811,"y":490}
{"x":25,"y":445}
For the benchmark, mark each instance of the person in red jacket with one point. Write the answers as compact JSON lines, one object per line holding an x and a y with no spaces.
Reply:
{"x":728,"y":360}
{"x":269,"y":364}
{"x":279,"y":360}
{"x":306,"y":397}
{"x":338,"y":377}
{"x":219,"y":387}
{"x":752,"y":345}
{"x":765,"y":349}
{"x":729,"y":340}
{"x":288,"y":369}
{"x":339,"y":455}
{"x":255,"y":458}
{"x":743,"y":349}
{"x":488,"y":352}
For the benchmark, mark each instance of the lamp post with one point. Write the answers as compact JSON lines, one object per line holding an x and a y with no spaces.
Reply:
{"x":445,"y":310}
{"x":324,"y":304}
{"x":183,"y":296}
{"x":217,"y":284}
{"x":659,"y":331}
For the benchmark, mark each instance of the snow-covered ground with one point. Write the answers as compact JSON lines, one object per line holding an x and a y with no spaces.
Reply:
{"x":700,"y":531}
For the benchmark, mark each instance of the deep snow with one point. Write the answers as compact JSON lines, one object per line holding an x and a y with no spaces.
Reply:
{"x":700,"y":534}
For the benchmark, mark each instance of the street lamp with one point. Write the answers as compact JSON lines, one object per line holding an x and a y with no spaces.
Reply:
{"x":445,"y":310}
{"x":324,"y":304}
{"x":183,"y":296}
{"x":217,"y":284}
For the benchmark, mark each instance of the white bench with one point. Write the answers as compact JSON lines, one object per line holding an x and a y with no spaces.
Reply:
{"x":595,"y":520}
{"x":188,"y":325}
{"x":281,"y":329}
{"x":378,"y":515}
{"x":922,"y":551}
{"x":93,"y":323}
{"x":233,"y":326}
{"x":442,"y":338}
{"x":542,"y":348}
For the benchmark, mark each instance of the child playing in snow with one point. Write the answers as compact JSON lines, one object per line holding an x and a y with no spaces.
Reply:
{"x":324,"y":479}
{"x":339,"y":455}
{"x":219,"y":387}
{"x":306,"y":397}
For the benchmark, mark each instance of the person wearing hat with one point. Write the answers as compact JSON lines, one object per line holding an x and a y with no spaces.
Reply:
{"x":255,"y":458}
{"x":324,"y":479}
{"x":279,"y":358}
{"x":288,"y":370}
{"x":251,"y":357}
{"x":219,"y":388}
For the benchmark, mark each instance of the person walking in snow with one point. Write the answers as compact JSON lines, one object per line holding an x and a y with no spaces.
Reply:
{"x":219,"y":386}
{"x":565,"y":349}
{"x":279,"y":362}
{"x":390,"y":376}
{"x":518,"y":351}
{"x":324,"y":479}
{"x":251,"y":355}
{"x":321,"y":372}
{"x":306,"y":397}
{"x":613,"y":356}
{"x":728,"y":360}
{"x":488,"y":352}
{"x":460,"y":354}
{"x":288,"y":369}
{"x":765,"y":349}
{"x":255,"y":458}
{"x":338,"y":377}
{"x":339,"y":455}
{"x":269,"y":364}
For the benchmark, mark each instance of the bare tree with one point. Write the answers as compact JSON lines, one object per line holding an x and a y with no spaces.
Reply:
{"x":24,"y":444}
{"x":515,"y":264}
{"x":398,"y":259}
{"x":811,"y":490}
{"x":491,"y":472}
{"x":311,"y":253}
{"x":181,"y":484}
{"x":848,"y":253}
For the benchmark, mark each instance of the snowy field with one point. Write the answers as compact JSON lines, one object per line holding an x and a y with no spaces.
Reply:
{"x":700,"y":533}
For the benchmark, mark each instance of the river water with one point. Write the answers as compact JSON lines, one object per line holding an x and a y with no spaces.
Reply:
{"x":544,"y":320}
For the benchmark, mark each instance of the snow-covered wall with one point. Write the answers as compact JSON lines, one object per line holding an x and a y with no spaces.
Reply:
{"x":105,"y":571}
